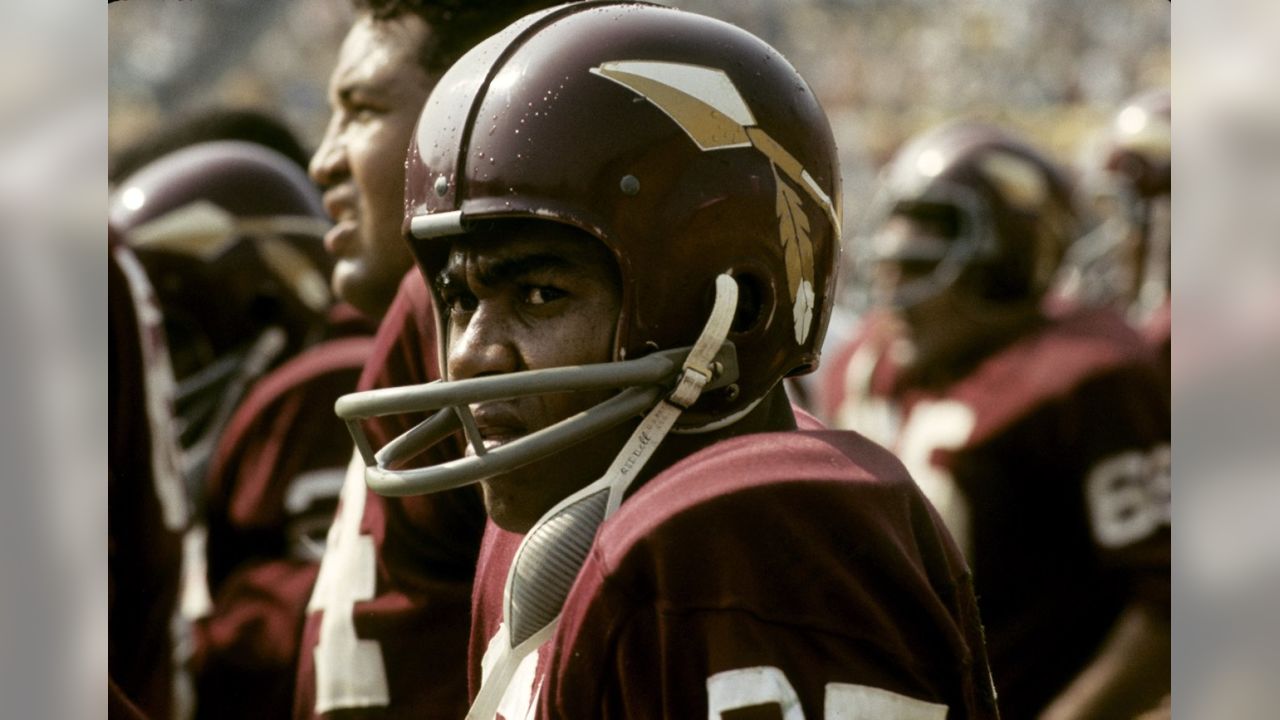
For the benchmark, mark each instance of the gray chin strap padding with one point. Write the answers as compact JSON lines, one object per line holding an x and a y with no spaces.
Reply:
{"x":548,"y":564}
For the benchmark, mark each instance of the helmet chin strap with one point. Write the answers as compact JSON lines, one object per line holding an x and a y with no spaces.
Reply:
{"x":553,"y":551}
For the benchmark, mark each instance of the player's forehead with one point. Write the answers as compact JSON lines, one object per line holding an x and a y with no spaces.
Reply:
{"x":506,"y":250}
{"x":379,"y":53}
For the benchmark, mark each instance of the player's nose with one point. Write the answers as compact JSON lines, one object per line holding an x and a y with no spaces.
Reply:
{"x":484,"y":347}
{"x":328,"y":165}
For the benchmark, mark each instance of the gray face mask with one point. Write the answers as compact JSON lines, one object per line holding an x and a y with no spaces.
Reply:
{"x":642,"y":383}
{"x":974,"y":241}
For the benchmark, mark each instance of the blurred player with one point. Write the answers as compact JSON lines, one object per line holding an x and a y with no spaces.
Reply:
{"x":240,"y":223}
{"x":660,"y":179}
{"x":386,"y":628}
{"x":231,"y":234}
{"x":1125,"y":262}
{"x":147,"y":509}
{"x":1044,"y":443}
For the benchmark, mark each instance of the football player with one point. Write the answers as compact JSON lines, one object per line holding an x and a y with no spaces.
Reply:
{"x":236,"y":221}
{"x":1125,"y":262}
{"x":258,"y":370}
{"x":1042,"y":441}
{"x":626,"y":214}
{"x":396,"y":575}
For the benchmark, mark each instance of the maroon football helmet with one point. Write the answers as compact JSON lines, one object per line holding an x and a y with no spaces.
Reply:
{"x":1008,"y":209}
{"x":230,"y":234}
{"x":1139,"y":165}
{"x":1124,"y":261}
{"x":688,"y":146}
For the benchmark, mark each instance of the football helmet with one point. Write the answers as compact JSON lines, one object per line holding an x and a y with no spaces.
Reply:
{"x":230,"y":234}
{"x":1007,"y":213}
{"x":1139,"y":144}
{"x":1124,"y":260}
{"x":691,"y":149}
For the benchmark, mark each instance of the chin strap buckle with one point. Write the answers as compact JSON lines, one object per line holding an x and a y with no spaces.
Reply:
{"x":689,"y":389}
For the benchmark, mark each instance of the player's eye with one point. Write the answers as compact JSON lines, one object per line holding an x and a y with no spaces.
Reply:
{"x":460,"y":303}
{"x":363,"y":112}
{"x":541,"y":294}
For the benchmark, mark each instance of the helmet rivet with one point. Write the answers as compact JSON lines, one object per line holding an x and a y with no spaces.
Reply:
{"x":731,"y":392}
{"x":630,"y":185}
{"x":442,"y":185}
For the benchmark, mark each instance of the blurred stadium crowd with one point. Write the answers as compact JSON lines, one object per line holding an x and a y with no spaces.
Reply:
{"x":883,"y":70}
{"x":1019,"y":326}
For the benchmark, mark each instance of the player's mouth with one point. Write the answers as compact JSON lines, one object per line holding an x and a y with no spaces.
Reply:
{"x":340,"y":238}
{"x":498,"y":426}
{"x":339,"y":205}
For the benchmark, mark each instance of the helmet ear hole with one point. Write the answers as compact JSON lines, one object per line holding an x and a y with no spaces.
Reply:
{"x":750,"y":304}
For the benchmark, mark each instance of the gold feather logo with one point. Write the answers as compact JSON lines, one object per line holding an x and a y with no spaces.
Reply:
{"x":704,"y":103}
{"x":793,"y":228}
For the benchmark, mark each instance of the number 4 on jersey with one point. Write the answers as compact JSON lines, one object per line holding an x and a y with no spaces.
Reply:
{"x":349,"y":670}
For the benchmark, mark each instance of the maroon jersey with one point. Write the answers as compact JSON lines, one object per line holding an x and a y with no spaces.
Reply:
{"x":146,"y":511}
{"x":271,"y":493}
{"x":794,"y":574}
{"x":387,"y":624}
{"x":1158,"y":333}
{"x":1049,"y":461}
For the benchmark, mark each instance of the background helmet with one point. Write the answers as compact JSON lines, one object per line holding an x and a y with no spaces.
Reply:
{"x":1009,"y":209}
{"x":1139,"y":144}
{"x":230,"y":235}
{"x":686,"y":145}
{"x":1124,"y":261}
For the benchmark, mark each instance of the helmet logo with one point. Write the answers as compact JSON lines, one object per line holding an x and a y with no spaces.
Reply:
{"x":1020,"y":182}
{"x":707,"y":106}
{"x":793,"y":226}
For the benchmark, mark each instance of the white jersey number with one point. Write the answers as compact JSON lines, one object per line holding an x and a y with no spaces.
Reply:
{"x":1129,"y":496}
{"x":939,"y":425}
{"x":349,"y":670}
{"x":765,"y":685}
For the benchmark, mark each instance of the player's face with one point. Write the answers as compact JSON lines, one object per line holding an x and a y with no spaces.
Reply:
{"x":525,"y":297}
{"x":376,"y":92}
{"x":935,"y":326}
